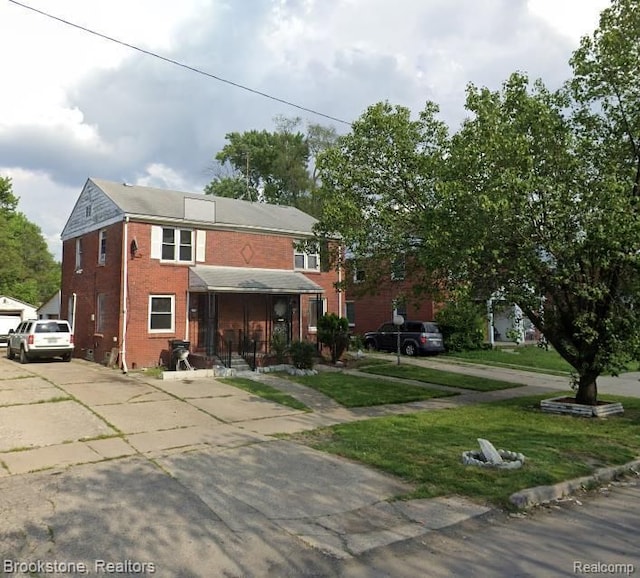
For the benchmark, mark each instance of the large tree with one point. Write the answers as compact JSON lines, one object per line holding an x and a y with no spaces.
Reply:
{"x":272,"y":166}
{"x":27,"y":270}
{"x":536,"y":196}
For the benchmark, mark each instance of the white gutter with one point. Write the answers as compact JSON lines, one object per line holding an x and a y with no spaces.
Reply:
{"x":125,"y":282}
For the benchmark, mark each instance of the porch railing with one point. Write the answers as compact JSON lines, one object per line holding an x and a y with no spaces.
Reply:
{"x":224,"y":352}
{"x":249,"y":350}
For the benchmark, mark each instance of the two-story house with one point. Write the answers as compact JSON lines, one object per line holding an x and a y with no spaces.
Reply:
{"x":144,"y":266}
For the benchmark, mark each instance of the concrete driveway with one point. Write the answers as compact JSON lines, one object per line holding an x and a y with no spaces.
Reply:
{"x":99,"y":465}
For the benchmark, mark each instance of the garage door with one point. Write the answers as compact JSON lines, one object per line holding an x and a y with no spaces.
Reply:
{"x":8,"y":321}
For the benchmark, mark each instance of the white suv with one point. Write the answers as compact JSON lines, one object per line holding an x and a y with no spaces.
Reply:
{"x":41,"y":338}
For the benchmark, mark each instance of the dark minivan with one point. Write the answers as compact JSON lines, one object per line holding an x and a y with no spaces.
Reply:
{"x":416,"y":337}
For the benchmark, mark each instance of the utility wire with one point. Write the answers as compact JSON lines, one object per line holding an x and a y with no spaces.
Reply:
{"x":180,"y":64}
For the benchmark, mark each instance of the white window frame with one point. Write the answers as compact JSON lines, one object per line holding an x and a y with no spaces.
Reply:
{"x":177,"y":245}
{"x":306,"y":257}
{"x":102,"y":247}
{"x":324,"y":310}
{"x":151,"y":313}
{"x":78,"y":253}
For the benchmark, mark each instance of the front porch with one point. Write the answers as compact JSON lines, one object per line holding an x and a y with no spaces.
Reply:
{"x":237,"y":313}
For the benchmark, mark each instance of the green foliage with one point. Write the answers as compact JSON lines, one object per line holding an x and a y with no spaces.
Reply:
{"x":462,"y":323}
{"x":276,"y":167}
{"x":28,"y":271}
{"x":537,"y":196}
{"x":333,"y":331}
{"x":303,"y":354}
{"x":234,"y":187}
{"x":279,"y":347}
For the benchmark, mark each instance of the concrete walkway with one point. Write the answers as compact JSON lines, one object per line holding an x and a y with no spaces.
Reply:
{"x":216,"y":441}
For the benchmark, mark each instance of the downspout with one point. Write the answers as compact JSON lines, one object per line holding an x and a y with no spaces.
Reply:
{"x":340,"y":311}
{"x":74,"y":298}
{"x":125,"y":282}
{"x":186,"y":323}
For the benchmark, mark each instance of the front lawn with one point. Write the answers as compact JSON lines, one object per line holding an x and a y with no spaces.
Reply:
{"x":265,"y":391}
{"x":527,"y":357}
{"x":425,"y":448}
{"x":356,"y":391}
{"x":428,"y":375}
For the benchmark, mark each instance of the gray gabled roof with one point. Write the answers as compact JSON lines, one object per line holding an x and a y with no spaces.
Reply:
{"x":249,"y":280}
{"x":140,"y":202}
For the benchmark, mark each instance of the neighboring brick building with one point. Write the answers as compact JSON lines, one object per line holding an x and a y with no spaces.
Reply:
{"x":392,"y":295}
{"x":142,"y":266}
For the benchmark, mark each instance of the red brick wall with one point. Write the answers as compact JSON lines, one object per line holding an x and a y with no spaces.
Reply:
{"x":151,"y":277}
{"x":92,"y":279}
{"x":373,"y":310}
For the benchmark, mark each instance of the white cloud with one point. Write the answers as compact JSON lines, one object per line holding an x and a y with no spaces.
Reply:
{"x":76,"y":106}
{"x":571,"y":19}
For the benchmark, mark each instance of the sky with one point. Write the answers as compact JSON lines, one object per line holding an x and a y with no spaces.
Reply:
{"x":74,"y":105}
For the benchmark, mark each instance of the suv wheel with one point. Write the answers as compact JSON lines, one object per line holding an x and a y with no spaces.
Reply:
{"x":66,"y":357}
{"x":9,"y":352}
{"x":24,"y":358}
{"x":410,"y":349}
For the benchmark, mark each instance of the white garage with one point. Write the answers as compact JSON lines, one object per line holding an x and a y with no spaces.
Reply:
{"x":12,"y":311}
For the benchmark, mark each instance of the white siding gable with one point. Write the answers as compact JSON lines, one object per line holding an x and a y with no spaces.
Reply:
{"x":93,"y":210}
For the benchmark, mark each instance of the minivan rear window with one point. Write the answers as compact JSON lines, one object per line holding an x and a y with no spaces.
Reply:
{"x":431,"y":328}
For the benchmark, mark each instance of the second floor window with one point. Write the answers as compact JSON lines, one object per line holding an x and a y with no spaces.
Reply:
{"x":78,"y":254}
{"x":308,"y":261}
{"x":102,"y":250}
{"x":177,"y":244}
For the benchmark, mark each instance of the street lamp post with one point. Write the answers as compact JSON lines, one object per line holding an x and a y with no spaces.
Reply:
{"x":398,"y":320}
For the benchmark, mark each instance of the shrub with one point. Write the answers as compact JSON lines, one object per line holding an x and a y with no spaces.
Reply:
{"x":462,"y":324}
{"x":279,"y":347}
{"x":303,"y":354}
{"x":333,"y":331}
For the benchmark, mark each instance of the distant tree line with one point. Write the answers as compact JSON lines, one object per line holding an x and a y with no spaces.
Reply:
{"x":28,"y":271}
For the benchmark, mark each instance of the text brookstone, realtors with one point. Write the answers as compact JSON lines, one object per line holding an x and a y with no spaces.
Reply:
{"x":58,"y":567}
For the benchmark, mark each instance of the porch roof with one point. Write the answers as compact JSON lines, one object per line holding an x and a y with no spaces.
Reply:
{"x":249,"y":280}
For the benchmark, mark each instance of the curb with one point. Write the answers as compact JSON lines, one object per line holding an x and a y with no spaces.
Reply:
{"x":541,"y":494}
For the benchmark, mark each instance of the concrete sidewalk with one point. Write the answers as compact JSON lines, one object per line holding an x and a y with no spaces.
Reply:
{"x":216,"y":442}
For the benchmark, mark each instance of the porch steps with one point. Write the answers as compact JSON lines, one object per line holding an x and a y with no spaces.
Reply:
{"x":238,"y":363}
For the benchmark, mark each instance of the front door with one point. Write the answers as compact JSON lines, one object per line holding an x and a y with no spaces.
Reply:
{"x":281,"y":318}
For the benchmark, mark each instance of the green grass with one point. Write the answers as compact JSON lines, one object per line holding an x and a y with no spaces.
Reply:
{"x":356,"y":391}
{"x":425,"y":448}
{"x":265,"y":391}
{"x":529,"y":357}
{"x":439,"y":377}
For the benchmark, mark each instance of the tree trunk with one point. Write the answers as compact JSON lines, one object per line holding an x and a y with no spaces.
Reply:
{"x":587,"y":390}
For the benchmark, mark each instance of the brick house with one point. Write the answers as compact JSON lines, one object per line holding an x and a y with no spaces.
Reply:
{"x":392,"y":295}
{"x":144,"y":266}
